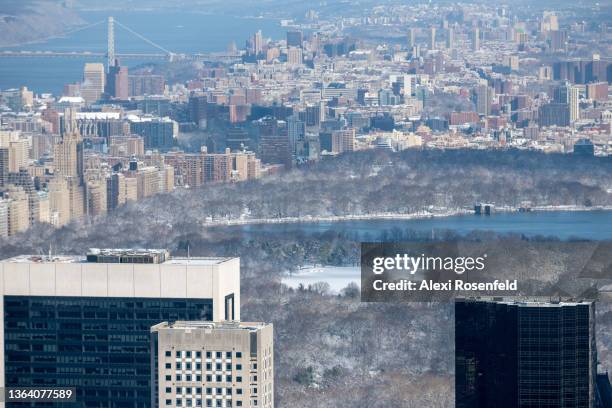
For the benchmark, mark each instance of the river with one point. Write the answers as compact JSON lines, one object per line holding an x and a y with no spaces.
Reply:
{"x":179,"y":32}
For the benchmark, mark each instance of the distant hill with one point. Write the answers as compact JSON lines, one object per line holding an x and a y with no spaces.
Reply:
{"x":27,"y":21}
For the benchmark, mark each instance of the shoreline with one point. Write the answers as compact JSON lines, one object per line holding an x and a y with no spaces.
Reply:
{"x":392,"y":216}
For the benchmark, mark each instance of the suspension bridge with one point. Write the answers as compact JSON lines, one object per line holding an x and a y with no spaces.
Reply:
{"x":110,"y":54}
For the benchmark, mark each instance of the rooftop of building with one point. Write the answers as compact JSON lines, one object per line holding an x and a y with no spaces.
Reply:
{"x":119,"y":255}
{"x":204,"y":325}
{"x":530,"y":302}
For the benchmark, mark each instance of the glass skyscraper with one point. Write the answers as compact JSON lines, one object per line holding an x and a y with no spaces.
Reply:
{"x":525,"y":354}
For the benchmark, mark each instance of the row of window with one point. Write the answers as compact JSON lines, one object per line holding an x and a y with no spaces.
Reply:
{"x":209,"y":378}
{"x":208,"y":390}
{"x":187,"y":366}
{"x":198,"y":354}
{"x":208,"y":403}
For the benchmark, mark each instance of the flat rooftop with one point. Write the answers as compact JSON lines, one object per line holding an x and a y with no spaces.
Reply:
{"x":204,"y":325}
{"x":530,"y":302}
{"x":119,"y":256}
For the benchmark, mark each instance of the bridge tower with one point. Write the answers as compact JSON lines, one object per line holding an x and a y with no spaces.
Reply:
{"x":110,"y":54}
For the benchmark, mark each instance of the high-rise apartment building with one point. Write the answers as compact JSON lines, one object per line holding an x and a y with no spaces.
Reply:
{"x":257,"y":43}
{"x":450,"y":38}
{"x":294,"y":56}
{"x":411,"y":38}
{"x":68,"y":148}
{"x":343,"y":140}
{"x":93,"y":82}
{"x":483,"y":99}
{"x":525,"y":354}
{"x":84,"y":322}
{"x":573,"y":102}
{"x":158,"y":133}
{"x":476,"y":39}
{"x":432,"y":38}
{"x":205,"y":364}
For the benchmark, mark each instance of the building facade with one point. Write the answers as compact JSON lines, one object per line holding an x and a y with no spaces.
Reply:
{"x":525,"y":354}
{"x":204,"y":364}
{"x":84,"y":322}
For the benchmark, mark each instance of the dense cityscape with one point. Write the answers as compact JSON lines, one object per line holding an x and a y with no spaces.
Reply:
{"x":183,"y":226}
{"x":458,"y":77}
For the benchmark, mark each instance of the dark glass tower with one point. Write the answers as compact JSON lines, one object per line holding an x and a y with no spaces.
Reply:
{"x":100,"y":346}
{"x":524,"y":354}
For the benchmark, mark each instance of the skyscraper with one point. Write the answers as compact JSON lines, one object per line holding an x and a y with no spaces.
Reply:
{"x":68,"y":148}
{"x":573,"y":102}
{"x":483,"y":98}
{"x":295,"y":38}
{"x":85,"y":322}
{"x":432,"y":38}
{"x":117,"y":82}
{"x":93,"y":82}
{"x":476,"y":39}
{"x":450,"y":38}
{"x":411,"y":38}
{"x":511,"y":354}
{"x":221,"y":364}
{"x":257,"y":43}
{"x":294,"y":56}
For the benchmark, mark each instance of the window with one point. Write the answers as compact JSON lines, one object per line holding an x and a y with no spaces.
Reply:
{"x":209,"y":403}
{"x":219,"y":354}
{"x":208,"y":354}
{"x":198,"y":354}
{"x":168,"y":365}
{"x":239,"y":391}
{"x":208,"y":391}
{"x":188,"y":391}
{"x":228,"y":366}
{"x":219,"y":403}
{"x":209,"y":366}
{"x":238,"y":366}
{"x":228,"y":378}
{"x":218,"y":366}
{"x":188,"y":354}
{"x":179,"y":402}
{"x":178,"y":377}
{"x":198,"y":366}
{"x":228,"y":391}
{"x":238,"y":403}
{"x":198,"y":390}
{"x":168,"y":353}
{"x":198,"y":378}
{"x":198,"y":403}
{"x":238,"y":354}
{"x":168,"y":389}
{"x":208,"y":378}
{"x":188,"y":377}
{"x":168,"y":402}
{"x":178,"y":354}
{"x":219,"y":378}
{"x":238,"y":379}
{"x":168,"y":378}
{"x":228,"y":354}
{"x":187,"y":366}
{"x":189,"y":402}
